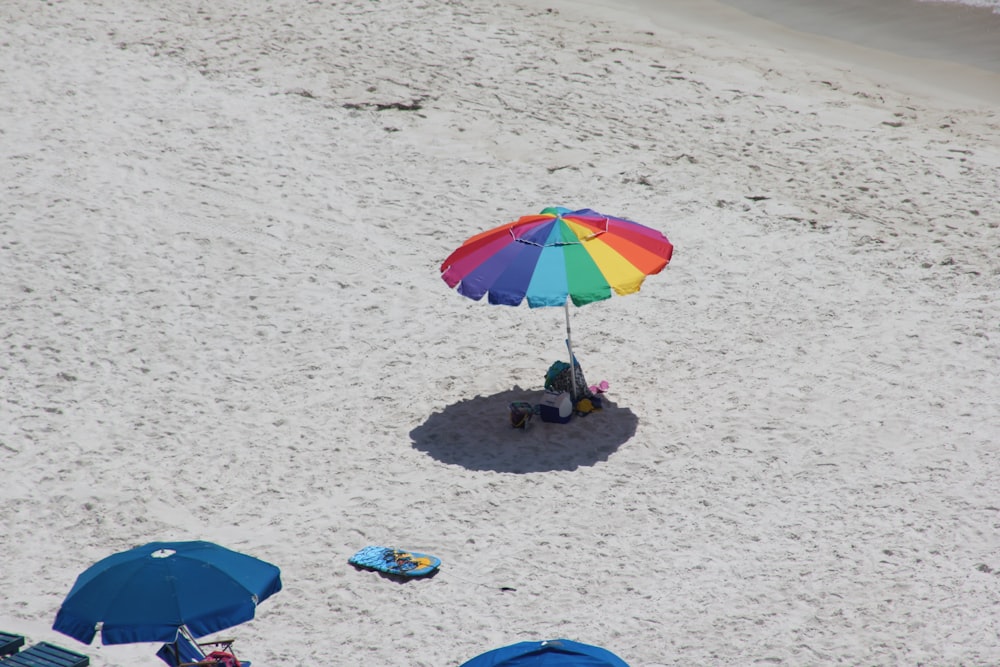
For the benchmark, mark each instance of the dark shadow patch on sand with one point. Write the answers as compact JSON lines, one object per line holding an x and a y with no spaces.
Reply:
{"x":476,"y":434}
{"x":397,"y":578}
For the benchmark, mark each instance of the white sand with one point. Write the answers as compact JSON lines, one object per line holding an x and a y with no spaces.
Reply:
{"x":222,"y":319}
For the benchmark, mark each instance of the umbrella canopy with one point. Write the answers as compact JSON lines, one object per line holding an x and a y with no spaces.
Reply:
{"x":555,"y":257}
{"x":551,"y":653}
{"x":148,"y":593}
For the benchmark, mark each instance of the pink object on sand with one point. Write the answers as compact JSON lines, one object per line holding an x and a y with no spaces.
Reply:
{"x":599,"y":388}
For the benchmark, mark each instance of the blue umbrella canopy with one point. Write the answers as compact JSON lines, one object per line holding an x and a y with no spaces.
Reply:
{"x":549,"y":653}
{"x":148,"y":593}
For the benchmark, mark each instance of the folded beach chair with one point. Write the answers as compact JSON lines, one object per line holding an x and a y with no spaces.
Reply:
{"x":10,"y":643}
{"x":45,"y":654}
{"x":186,"y":652}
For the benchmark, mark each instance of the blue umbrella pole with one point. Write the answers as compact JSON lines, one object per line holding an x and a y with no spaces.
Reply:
{"x":572,"y":359}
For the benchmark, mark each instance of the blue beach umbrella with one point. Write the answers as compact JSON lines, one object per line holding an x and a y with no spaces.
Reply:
{"x":550,"y":653}
{"x":149,"y":593}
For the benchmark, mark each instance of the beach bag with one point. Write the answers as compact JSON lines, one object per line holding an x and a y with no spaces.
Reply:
{"x":521,"y":413}
{"x":559,"y":378}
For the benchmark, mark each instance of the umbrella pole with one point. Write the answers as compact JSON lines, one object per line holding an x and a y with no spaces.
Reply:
{"x":572,"y":359}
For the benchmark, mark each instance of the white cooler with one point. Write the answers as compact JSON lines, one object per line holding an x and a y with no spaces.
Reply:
{"x":556,"y":407}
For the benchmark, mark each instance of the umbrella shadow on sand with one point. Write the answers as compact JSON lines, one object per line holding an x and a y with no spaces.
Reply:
{"x":476,"y":434}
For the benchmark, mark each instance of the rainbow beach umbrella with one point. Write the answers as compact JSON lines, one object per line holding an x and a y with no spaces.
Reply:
{"x":556,"y":257}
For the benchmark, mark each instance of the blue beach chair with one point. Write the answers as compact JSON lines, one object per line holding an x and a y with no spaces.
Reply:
{"x":45,"y":654}
{"x":184,"y":651}
{"x":10,"y":643}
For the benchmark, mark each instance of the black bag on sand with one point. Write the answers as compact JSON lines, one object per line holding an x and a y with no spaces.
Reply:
{"x":560,"y":378}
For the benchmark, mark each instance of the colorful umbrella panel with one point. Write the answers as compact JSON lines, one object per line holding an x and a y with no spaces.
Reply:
{"x":559,"y":254}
